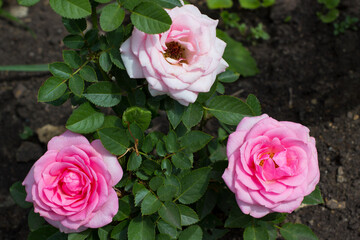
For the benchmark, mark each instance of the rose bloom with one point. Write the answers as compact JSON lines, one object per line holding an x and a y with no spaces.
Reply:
{"x":71,"y":184}
{"x":180,"y":62}
{"x":272,"y":165}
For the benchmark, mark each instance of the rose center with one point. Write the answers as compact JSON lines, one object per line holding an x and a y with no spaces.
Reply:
{"x":71,"y":183}
{"x":175,"y":51}
{"x":271,"y":155}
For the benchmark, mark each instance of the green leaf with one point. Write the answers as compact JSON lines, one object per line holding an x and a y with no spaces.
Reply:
{"x":150,"y":18}
{"x":74,"y":41}
{"x":74,"y":26}
{"x":255,"y":233}
{"x":85,"y":119}
{"x":71,"y":58}
{"x":140,"y":195}
{"x":116,"y":58}
{"x":168,"y":3}
{"x":150,"y":204}
{"x":313,"y":198}
{"x":79,"y":236}
{"x":131,"y":4}
{"x":105,"y":61}
{"x":52,"y":89}
{"x":141,"y":228}
{"x":188,"y":215}
{"x":26,"y":68}
{"x":140,"y":116}
{"x":60,"y":70}
{"x":229,"y":110}
{"x":104,"y":232}
{"x":27,"y":3}
{"x":71,"y":8}
{"x":220,"y":88}
{"x":291,"y":231}
{"x":206,"y":204}
{"x":111,"y":17}
{"x":228,"y":77}
{"x":104,"y":94}
{"x":174,"y":111}
{"x":250,"y":4}
{"x":193,"y":185}
{"x":156,"y":182}
{"x":134,"y":162}
{"x":216,"y":4}
{"x":166,"y":192}
{"x":170,"y":213}
{"x":167,"y":229}
{"x":35,"y":221}
{"x":191,"y":233}
{"x":254,"y":104}
{"x":171,"y":142}
{"x":330,"y":3}
{"x":237,"y":219}
{"x":237,"y":56}
{"x":195,"y":140}
{"x":119,"y":232}
{"x":124,"y":209}
{"x":181,"y":160}
{"x":115,"y":140}
{"x":44,"y":232}
{"x":76,"y":85}
{"x":88,"y":74}
{"x":330,"y":16}
{"x":192,"y":115}
{"x":268,"y":3}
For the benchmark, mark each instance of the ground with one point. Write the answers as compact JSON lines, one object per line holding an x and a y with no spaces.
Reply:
{"x":307,"y":75}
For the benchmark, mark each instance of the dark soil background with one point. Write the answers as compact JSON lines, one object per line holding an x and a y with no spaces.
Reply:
{"x":307,"y":75}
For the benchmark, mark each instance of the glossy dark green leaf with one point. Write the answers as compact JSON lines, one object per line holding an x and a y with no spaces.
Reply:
{"x":74,"y":41}
{"x":237,"y":56}
{"x":150,"y":18}
{"x":60,"y":70}
{"x":111,"y":17}
{"x":124,"y":209}
{"x":191,"y":233}
{"x":188,"y":215}
{"x":195,"y":140}
{"x":229,"y":110}
{"x":18,"y":193}
{"x":237,"y":219}
{"x":119,"y":232}
{"x":43,"y":233}
{"x":295,"y":231}
{"x":181,"y":160}
{"x":52,"y":89}
{"x":174,"y":111}
{"x":76,"y":85}
{"x":250,"y":4}
{"x":255,"y":233}
{"x":313,"y":198}
{"x":192,"y":115}
{"x":254,"y":104}
{"x":104,"y":232}
{"x":171,"y":142}
{"x":193,"y":185}
{"x":105,"y":61}
{"x":88,"y":74}
{"x":35,"y":221}
{"x":72,"y":58}
{"x":74,"y":26}
{"x":27,"y":3}
{"x":115,"y":140}
{"x":85,"y":119}
{"x":79,"y":236}
{"x":140,"y":116}
{"x":71,"y":8}
{"x":166,"y":192}
{"x":156,"y":182}
{"x":167,"y":229}
{"x":150,"y":204}
{"x":104,"y":94}
{"x":134,"y":161}
{"x":170,"y":213}
{"x":141,"y":228}
{"x":228,"y":77}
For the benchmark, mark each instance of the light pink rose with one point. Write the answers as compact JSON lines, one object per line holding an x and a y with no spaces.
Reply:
{"x":272,"y":165}
{"x":180,"y":62}
{"x":71,"y":184}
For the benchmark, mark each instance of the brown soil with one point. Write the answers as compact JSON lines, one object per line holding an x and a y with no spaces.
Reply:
{"x":307,"y":75}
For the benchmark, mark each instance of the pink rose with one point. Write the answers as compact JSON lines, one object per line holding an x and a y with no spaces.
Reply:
{"x":71,"y":184}
{"x":272,"y":165}
{"x":180,"y":62}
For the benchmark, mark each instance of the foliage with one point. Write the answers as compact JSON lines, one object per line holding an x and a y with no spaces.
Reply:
{"x":172,"y":186}
{"x":349,"y":23}
{"x":330,"y":9}
{"x":247,"y":4}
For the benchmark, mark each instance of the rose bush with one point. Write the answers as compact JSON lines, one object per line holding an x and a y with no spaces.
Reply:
{"x":272,"y":165}
{"x":180,"y":62}
{"x":71,"y":184}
